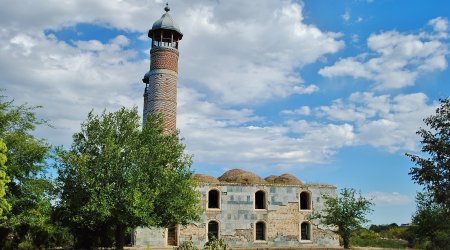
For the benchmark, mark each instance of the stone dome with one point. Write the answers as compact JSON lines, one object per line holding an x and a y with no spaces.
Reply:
{"x":271,"y":178}
{"x":287,"y":179}
{"x":241,"y":176}
{"x":203,"y":178}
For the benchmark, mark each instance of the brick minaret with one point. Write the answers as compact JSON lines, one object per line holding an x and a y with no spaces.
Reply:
{"x":160,"y":95}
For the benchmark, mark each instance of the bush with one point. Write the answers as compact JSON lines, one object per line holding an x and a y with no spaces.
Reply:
{"x":216,"y":244}
{"x":187,"y":245}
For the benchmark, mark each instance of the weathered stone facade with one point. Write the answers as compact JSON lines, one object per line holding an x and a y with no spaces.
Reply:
{"x":237,"y":217}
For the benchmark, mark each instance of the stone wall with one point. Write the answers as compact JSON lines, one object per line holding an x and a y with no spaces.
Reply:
{"x":237,"y":216}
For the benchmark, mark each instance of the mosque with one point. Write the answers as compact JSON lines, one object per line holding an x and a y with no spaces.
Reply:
{"x":241,"y":208}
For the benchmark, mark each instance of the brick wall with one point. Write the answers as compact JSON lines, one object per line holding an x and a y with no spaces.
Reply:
{"x":161,"y":95}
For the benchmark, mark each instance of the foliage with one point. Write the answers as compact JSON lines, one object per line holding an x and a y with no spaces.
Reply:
{"x":187,"y":245}
{"x":347,"y":212}
{"x":216,"y":244}
{"x":117,"y":176}
{"x":28,"y":191}
{"x":434,"y":171}
{"x":4,"y":179}
{"x":371,"y":238}
{"x":389,"y":231}
{"x":430,"y":224}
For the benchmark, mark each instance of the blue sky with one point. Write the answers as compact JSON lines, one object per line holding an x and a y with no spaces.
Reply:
{"x":330,"y":91}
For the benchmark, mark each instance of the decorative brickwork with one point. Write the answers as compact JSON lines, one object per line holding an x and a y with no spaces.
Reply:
{"x":161,"y":93}
{"x":164,"y":58}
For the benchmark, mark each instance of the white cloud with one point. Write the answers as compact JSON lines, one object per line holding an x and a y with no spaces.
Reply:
{"x":242,"y":63}
{"x":398,"y":59}
{"x":68,"y":80}
{"x":382,"y":121}
{"x":303,"y":110}
{"x":216,"y":135}
{"x":390,"y":198}
{"x":439,"y":24}
{"x":346,"y":15}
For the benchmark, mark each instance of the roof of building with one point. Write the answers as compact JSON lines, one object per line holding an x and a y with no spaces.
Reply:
{"x":203,"y":178}
{"x":166,"y":23}
{"x":241,"y":176}
{"x":283,"y":179}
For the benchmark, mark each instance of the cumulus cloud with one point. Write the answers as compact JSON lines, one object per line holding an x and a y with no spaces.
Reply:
{"x":241,"y":58}
{"x":439,"y":24}
{"x":303,"y":110}
{"x":390,"y":198}
{"x":398,"y":59}
{"x":382,"y":121}
{"x":215,"y":135}
{"x":68,"y":80}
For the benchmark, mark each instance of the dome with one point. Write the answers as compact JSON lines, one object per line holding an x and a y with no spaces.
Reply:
{"x":203,"y":178}
{"x":287,"y":179}
{"x":241,"y":176}
{"x":271,"y":178}
{"x":165,"y":23}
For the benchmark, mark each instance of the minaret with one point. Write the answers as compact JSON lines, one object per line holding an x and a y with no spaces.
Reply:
{"x":160,"y":95}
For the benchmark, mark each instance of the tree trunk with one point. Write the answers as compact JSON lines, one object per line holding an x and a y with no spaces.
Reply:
{"x":120,"y":236}
{"x":346,"y":239}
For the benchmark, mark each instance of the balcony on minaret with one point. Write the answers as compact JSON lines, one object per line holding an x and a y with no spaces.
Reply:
{"x":164,"y":32}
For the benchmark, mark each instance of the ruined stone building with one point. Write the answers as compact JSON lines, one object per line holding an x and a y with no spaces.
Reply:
{"x":239,"y":207}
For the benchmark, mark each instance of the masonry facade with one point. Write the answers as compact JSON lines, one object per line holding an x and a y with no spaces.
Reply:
{"x":252,"y":215}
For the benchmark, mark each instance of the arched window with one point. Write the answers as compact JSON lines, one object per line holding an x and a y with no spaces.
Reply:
{"x":260,"y":200}
{"x":305,"y":231}
{"x":213,"y":230}
{"x":213,"y":198}
{"x":305,"y":201}
{"x":260,"y":230}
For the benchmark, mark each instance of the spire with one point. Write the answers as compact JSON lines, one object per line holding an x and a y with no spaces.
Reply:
{"x":167,"y":9}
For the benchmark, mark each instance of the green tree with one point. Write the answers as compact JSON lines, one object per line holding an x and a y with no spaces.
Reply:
{"x":28,"y":191}
{"x":347,"y":212}
{"x":430,"y":224}
{"x":4,"y":179}
{"x":433,"y":169}
{"x":117,"y":176}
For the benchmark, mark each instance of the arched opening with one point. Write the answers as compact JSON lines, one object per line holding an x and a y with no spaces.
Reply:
{"x":305,"y":201}
{"x":260,"y":230}
{"x":213,"y":198}
{"x":305,"y":231}
{"x":260,"y":200}
{"x":213,"y":230}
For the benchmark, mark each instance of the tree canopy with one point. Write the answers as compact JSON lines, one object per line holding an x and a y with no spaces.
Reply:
{"x":432,"y":170}
{"x":347,"y":212}
{"x":430,"y":224}
{"x":117,"y":174}
{"x":4,"y":179}
{"x":28,"y":191}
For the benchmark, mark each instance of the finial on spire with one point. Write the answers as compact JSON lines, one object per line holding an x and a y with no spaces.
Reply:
{"x":167,"y":9}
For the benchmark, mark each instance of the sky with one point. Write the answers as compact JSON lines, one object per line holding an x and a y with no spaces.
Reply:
{"x":330,"y":91}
